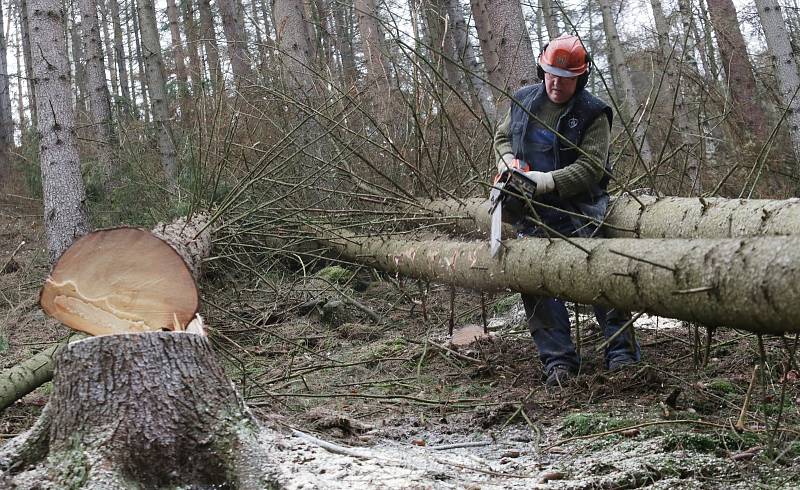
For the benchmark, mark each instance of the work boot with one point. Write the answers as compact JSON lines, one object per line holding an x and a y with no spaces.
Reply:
{"x":621,"y":363}
{"x":559,"y":376}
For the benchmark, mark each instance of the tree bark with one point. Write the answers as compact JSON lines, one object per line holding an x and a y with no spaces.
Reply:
{"x":480,"y":91}
{"x":741,"y":81}
{"x":210,"y":45}
{"x":740,"y":283}
{"x":196,"y":72}
{"x":379,"y":78}
{"x":26,"y":52}
{"x":180,"y":58}
{"x":239,"y":55}
{"x":294,"y":44}
{"x":782,"y":55}
{"x":157,"y":87}
{"x":344,"y":41}
{"x":133,"y":15}
{"x":123,"y":405}
{"x":119,"y":56}
{"x":655,"y":217}
{"x":6,"y":119}
{"x":505,"y":44}
{"x":550,"y":18}
{"x":65,"y":214}
{"x":99,"y":103}
{"x":191,"y":239}
{"x":79,"y":81}
{"x":108,"y":48}
{"x":630,"y":106}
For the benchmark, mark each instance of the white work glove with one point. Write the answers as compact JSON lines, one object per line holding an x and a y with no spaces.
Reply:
{"x":544,"y":181}
{"x":504,"y":163}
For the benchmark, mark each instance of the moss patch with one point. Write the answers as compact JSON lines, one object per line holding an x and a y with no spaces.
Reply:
{"x":336,"y":274}
{"x":583,"y":424}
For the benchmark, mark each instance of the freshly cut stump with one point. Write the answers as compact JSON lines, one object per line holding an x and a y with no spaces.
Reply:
{"x":140,"y":411}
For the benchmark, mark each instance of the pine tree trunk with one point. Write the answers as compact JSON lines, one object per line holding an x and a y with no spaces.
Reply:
{"x":108,"y":48}
{"x":294,"y":44}
{"x":26,"y":52}
{"x":99,"y":103}
{"x":157,"y":87}
{"x":180,"y":58}
{"x":65,"y":214}
{"x":344,"y":41}
{"x":238,"y":53}
{"x":378,"y":80}
{"x":550,"y":16}
{"x":133,"y":15}
{"x":740,"y":283}
{"x":466,"y":55}
{"x":210,"y":45}
{"x":119,"y":56}
{"x":783,"y":57}
{"x":505,"y":45}
{"x":148,"y":410}
{"x":630,"y":107}
{"x":651,"y":217}
{"x":739,"y":70}
{"x":196,"y":72}
{"x":6,"y":119}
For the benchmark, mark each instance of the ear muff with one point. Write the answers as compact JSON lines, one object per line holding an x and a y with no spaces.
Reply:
{"x":583,"y":79}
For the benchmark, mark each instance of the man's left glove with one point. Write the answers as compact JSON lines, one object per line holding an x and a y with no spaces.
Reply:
{"x":544,"y":181}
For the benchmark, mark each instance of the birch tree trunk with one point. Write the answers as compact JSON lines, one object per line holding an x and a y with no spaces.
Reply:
{"x":180,"y":58}
{"x":505,"y":45}
{"x":6,"y":119}
{"x":780,"y":50}
{"x":740,"y":283}
{"x":739,"y":70}
{"x":480,"y":91}
{"x":209,"y":36}
{"x":630,"y":106}
{"x":239,"y":55}
{"x":65,"y":214}
{"x":157,"y":87}
{"x":99,"y":103}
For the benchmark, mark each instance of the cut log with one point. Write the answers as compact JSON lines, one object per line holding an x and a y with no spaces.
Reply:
{"x":121,"y":280}
{"x":747,"y":283}
{"x":148,"y":410}
{"x":190,"y":238}
{"x":665,"y":217}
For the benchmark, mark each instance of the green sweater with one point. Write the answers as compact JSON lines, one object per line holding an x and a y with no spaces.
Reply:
{"x":586,"y":170}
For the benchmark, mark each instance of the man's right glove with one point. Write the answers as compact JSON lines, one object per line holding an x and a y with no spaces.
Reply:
{"x":544,"y":181}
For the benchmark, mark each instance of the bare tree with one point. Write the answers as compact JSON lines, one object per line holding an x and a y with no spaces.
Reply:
{"x":133,"y":16}
{"x":26,"y":52}
{"x":119,"y":54}
{"x":373,"y":44}
{"x":108,"y":48}
{"x":505,"y":44}
{"x":65,"y":214}
{"x":342,"y":13}
{"x":151,"y":49}
{"x":783,"y":57}
{"x":99,"y":103}
{"x":739,"y":70}
{"x":193,"y":46}
{"x":550,"y":16}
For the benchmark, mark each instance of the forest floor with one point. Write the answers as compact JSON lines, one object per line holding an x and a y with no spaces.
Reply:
{"x":364,"y":361}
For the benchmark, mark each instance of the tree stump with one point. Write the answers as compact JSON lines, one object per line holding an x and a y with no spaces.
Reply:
{"x":146,"y":410}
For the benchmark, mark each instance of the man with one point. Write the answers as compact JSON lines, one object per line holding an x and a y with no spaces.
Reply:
{"x":562,"y":132}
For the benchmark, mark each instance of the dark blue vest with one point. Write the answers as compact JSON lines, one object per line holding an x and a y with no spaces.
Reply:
{"x":545,"y":152}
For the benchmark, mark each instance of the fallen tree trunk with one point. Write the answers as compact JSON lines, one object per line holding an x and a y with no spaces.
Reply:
{"x":191,"y":239}
{"x":650,"y":217}
{"x":747,"y":283}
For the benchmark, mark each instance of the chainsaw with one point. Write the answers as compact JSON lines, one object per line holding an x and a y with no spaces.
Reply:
{"x":510,"y":186}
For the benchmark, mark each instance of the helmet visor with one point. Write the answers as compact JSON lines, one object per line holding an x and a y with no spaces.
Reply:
{"x":559,"y":72}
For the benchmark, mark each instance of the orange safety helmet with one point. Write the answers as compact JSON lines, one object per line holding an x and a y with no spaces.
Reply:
{"x":565,"y":56}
